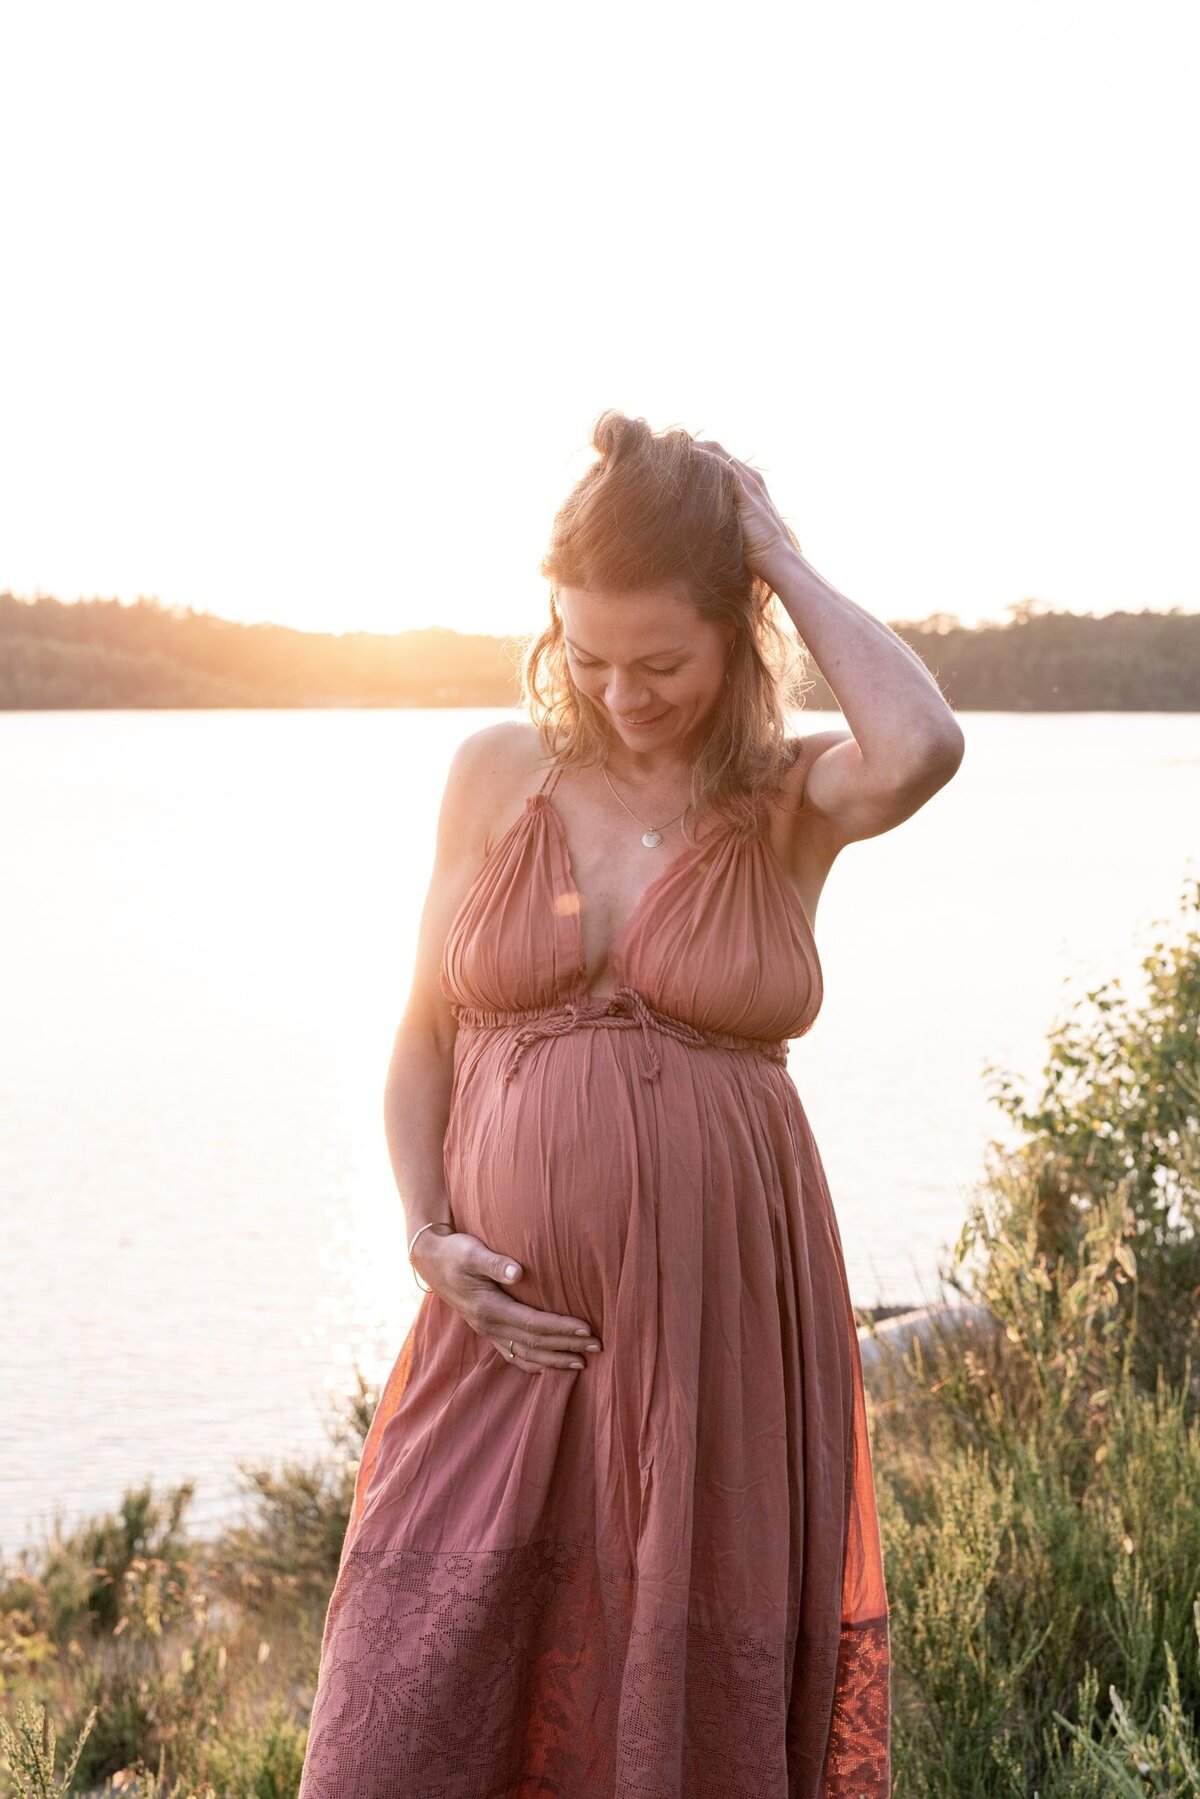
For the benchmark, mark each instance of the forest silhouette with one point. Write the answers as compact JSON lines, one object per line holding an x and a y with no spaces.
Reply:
{"x":100,"y":653}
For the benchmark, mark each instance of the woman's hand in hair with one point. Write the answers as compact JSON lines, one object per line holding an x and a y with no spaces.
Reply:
{"x":766,"y":537}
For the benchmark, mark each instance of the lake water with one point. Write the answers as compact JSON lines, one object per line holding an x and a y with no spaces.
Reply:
{"x":208,"y":928}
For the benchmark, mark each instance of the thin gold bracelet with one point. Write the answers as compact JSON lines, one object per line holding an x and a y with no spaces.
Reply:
{"x":444,"y":1223}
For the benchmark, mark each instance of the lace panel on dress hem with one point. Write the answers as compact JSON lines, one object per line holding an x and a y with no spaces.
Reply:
{"x":535,"y":1671}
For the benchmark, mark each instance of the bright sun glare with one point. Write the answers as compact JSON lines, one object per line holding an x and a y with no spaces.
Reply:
{"x":306,"y":317}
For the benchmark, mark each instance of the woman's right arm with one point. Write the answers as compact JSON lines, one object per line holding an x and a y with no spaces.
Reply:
{"x":469,"y":1274}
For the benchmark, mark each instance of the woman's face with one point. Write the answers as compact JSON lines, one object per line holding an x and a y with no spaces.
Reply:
{"x":648,"y":659}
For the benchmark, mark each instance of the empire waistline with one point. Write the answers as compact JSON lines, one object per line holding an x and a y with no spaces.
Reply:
{"x":624,"y":1009}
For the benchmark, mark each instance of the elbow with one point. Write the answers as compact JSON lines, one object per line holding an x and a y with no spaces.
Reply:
{"x":943,"y":751}
{"x":930,"y":763}
{"x":954,"y":747}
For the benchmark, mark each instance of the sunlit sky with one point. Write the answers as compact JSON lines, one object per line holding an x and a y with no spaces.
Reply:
{"x":307,"y":311}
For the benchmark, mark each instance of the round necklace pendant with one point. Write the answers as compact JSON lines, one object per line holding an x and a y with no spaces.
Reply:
{"x":652,"y":839}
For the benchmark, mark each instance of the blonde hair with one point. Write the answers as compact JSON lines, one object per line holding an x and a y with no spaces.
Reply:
{"x":655,"y":508}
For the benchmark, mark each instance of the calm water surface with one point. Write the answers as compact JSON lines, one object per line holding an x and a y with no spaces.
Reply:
{"x":209,"y":921}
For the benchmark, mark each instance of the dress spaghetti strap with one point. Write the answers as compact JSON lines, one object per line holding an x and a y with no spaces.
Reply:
{"x":547,"y":786}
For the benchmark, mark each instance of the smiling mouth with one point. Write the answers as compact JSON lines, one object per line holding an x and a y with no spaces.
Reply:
{"x":644,"y":721}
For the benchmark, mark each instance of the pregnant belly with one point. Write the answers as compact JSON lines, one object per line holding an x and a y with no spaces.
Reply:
{"x":549,"y":1166}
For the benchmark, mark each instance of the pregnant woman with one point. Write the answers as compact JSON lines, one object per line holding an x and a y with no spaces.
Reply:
{"x":614,"y":1529}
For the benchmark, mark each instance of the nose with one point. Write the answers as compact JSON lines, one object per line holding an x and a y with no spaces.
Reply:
{"x":627,"y":698}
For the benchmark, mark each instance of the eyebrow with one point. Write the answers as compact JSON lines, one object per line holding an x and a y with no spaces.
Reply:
{"x":646,"y":658}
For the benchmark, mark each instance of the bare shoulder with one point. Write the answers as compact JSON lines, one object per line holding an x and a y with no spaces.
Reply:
{"x":794,"y":813}
{"x":831,"y":797}
{"x":490,"y":774}
{"x":809,"y":747}
{"x":804,"y":842}
{"x":504,"y":740}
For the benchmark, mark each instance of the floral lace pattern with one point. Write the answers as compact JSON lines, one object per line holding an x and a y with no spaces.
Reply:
{"x":858,"y":1765}
{"x":533,"y":1671}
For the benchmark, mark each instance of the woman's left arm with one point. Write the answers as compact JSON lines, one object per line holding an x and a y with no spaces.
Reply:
{"x":901,"y":722}
{"x":906,"y":741}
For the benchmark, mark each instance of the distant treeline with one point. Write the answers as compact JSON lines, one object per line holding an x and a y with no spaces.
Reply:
{"x":101,"y":653}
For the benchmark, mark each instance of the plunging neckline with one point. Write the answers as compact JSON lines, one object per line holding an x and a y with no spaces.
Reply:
{"x":541,"y":797}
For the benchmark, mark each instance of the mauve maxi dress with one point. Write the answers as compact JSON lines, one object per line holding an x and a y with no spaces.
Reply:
{"x":659,"y":1576}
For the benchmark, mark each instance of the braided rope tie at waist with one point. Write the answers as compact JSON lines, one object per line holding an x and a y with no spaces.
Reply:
{"x":624,"y":1009}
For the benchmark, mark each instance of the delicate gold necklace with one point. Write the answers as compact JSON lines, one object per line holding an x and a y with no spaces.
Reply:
{"x":652,"y":835}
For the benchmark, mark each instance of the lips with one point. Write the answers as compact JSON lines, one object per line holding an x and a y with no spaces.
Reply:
{"x":644,"y":721}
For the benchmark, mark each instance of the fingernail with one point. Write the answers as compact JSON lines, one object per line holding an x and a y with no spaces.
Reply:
{"x":577,"y":1364}
{"x":583,"y":1333}
{"x":511,"y":1270}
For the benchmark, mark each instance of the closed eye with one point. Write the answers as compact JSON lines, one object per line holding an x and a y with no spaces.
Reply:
{"x":674,"y":670}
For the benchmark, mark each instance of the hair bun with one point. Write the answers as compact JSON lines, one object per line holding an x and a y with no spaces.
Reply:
{"x":615,"y":434}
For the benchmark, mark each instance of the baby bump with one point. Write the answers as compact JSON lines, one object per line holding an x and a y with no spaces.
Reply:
{"x":546,"y":1166}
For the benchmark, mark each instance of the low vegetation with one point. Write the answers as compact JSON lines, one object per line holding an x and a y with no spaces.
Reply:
{"x":1040,"y":1481}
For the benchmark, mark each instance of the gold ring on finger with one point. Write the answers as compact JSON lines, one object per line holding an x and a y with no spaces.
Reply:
{"x":512,"y":1353}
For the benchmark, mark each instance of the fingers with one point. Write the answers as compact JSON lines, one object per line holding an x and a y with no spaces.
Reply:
{"x":742,"y":472}
{"x":539,"y":1340}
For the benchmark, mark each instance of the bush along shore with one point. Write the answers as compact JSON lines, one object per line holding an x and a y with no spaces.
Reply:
{"x":1037,"y":1454}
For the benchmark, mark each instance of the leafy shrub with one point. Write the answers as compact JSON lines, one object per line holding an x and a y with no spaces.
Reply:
{"x":1039,"y":1483}
{"x":1120,"y":1111}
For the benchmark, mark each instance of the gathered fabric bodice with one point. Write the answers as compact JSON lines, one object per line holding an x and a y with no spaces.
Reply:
{"x":718,"y":944}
